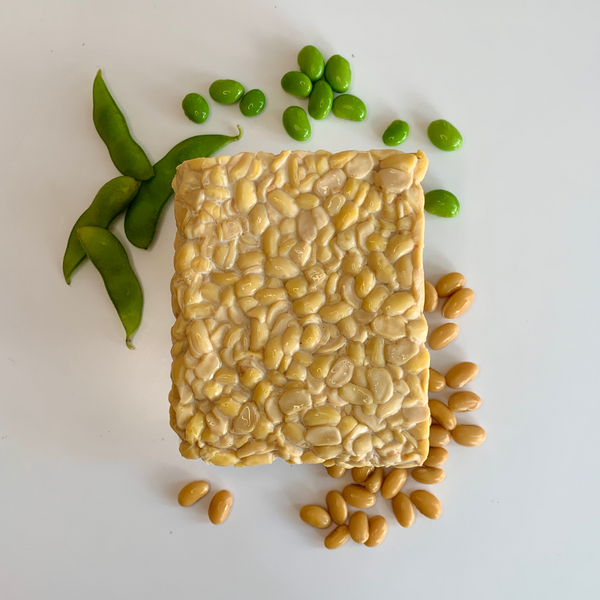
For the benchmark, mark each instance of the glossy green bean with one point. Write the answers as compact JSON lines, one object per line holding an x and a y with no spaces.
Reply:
{"x":311,"y":62}
{"x":144,"y":212}
{"x":396,"y":133}
{"x":338,"y":74}
{"x":126,"y":154}
{"x":320,"y":101}
{"x":444,"y":135}
{"x":110,"y":201}
{"x":442,"y":203}
{"x":349,"y":107}
{"x":110,"y":258}
{"x":297,"y":84}
{"x":226,"y":91}
{"x":296,"y":123}
{"x":195,"y":108}
{"x":253,"y":103}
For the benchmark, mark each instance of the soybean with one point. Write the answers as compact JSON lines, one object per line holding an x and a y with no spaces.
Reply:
{"x":377,"y":531}
{"x":443,"y":335}
{"x":337,"y":507}
{"x":450,"y":283}
{"x":226,"y":91}
{"x":195,"y":108}
{"x":349,"y":107}
{"x":359,"y":527}
{"x":427,"y":504}
{"x":253,"y":103}
{"x":403,"y":510}
{"x":126,"y":154}
{"x":335,"y":471}
{"x":296,"y":123}
{"x":437,"y":382}
{"x":438,"y":436}
{"x":192,"y":492}
{"x":458,"y":303}
{"x":320,"y":101}
{"x":144,"y":212}
{"x":431,"y":298}
{"x":428,"y":475}
{"x":396,"y":133}
{"x":110,"y":258}
{"x":436,"y":457}
{"x":469,"y":435}
{"x":297,"y":84}
{"x":442,"y":414}
{"x":358,"y":496}
{"x":444,"y":135}
{"x":338,"y":74}
{"x":338,"y":537}
{"x":442,"y":203}
{"x":375,"y":480}
{"x":360,"y":474}
{"x":311,"y":62}
{"x":219,"y":507}
{"x":464,"y":402}
{"x":110,"y":201}
{"x":461,"y":374}
{"x":393,"y":483}
{"x":315,"y":516}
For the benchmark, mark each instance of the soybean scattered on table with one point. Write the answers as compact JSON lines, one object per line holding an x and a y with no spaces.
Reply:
{"x":320,"y":101}
{"x":349,"y":107}
{"x":442,"y":203}
{"x":253,"y":103}
{"x":226,"y":91}
{"x":396,"y":133}
{"x":444,"y":135}
{"x":338,"y":74}
{"x":296,"y":123}
{"x":311,"y":62}
{"x":296,"y":83}
{"x":126,"y":154}
{"x":195,"y":108}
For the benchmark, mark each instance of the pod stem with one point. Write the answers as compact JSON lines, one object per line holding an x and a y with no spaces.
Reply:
{"x":240,"y":134}
{"x":129,"y":343}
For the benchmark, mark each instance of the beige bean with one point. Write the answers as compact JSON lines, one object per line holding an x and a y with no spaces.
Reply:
{"x":461,"y":374}
{"x":436,"y":457}
{"x":393,"y":483}
{"x":377,"y":531}
{"x":374,"y":481}
{"x":428,"y":475}
{"x":442,"y":414}
{"x":338,"y":537}
{"x":469,"y":435}
{"x":403,"y":510}
{"x":337,"y":507}
{"x":358,"y":525}
{"x":426,"y":503}
{"x":443,"y":335}
{"x":308,"y":304}
{"x":458,"y":303}
{"x":437,"y":381}
{"x":333,"y":313}
{"x":360,"y":474}
{"x":315,"y":516}
{"x":336,"y":471}
{"x":219,"y":507}
{"x":322,"y":415}
{"x":464,"y":402}
{"x":358,"y":496}
{"x":192,"y":492}
{"x":438,"y":436}
{"x":431,"y":298}
{"x":450,"y":283}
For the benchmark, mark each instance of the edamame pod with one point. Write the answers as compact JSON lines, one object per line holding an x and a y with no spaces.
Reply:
{"x":253,"y":103}
{"x":126,"y":154}
{"x":297,"y":84}
{"x":311,"y":62}
{"x":338,"y":74}
{"x":396,"y":133}
{"x":442,"y":203}
{"x":444,"y":135}
{"x":226,"y":91}
{"x":144,"y":212}
{"x":110,"y":201}
{"x":349,"y":107}
{"x":195,"y":108}
{"x":320,"y":101}
{"x":110,"y":258}
{"x":296,"y":123}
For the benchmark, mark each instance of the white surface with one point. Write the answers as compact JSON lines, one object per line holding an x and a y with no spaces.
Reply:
{"x":89,"y":468}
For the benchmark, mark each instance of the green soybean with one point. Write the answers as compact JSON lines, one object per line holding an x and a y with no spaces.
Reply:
{"x":349,"y":107}
{"x":296,"y":123}
{"x":144,"y":212}
{"x":195,"y":108}
{"x":253,"y":103}
{"x":338,"y":74}
{"x":442,"y":203}
{"x":297,"y":84}
{"x":110,"y":258}
{"x":444,"y":135}
{"x":226,"y":91}
{"x":320,"y":101}
{"x":126,"y":154}
{"x":311,"y":62}
{"x":396,"y":133}
{"x":110,"y":201}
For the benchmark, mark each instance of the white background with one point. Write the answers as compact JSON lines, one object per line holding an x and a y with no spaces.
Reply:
{"x":89,"y":469}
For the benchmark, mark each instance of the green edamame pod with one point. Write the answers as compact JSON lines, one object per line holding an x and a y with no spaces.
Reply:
{"x":110,"y":258}
{"x":253,"y":103}
{"x":226,"y":91}
{"x":110,"y":201}
{"x":349,"y":107}
{"x":311,"y":62}
{"x":126,"y":154}
{"x":338,"y":74}
{"x":396,"y":133}
{"x":296,"y":123}
{"x":442,"y":203}
{"x":297,"y":84}
{"x":444,"y":135}
{"x":320,"y":101}
{"x":144,"y":212}
{"x":195,"y":108}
